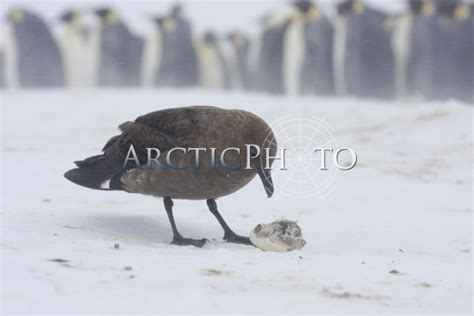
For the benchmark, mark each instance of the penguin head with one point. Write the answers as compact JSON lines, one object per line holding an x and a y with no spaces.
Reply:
{"x":446,"y":7}
{"x":210,"y":37}
{"x":314,"y":12}
{"x":357,"y":6}
{"x":167,"y":23}
{"x":309,"y":9}
{"x":15,"y":15}
{"x":415,"y":6}
{"x":71,"y":16}
{"x":176,"y":10}
{"x":264,"y":19}
{"x":102,"y":12}
{"x":428,"y":8}
{"x":389,"y":23}
{"x":237,"y":38}
{"x":344,"y":7}
{"x":158,"y":20}
{"x":107,"y":15}
{"x":462,"y":11}
{"x":303,"y":5}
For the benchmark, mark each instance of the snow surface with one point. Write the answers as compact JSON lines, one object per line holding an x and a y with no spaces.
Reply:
{"x":394,"y":236}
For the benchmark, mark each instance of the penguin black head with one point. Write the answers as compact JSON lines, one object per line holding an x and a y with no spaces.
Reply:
{"x":108,"y":16}
{"x":233,"y":35}
{"x":158,"y":20}
{"x":166,"y":23}
{"x":69,"y":16}
{"x":237,"y":38}
{"x":176,"y":10}
{"x":104,"y":12}
{"x":264,"y":19}
{"x":415,"y":6}
{"x":345,"y":7}
{"x":446,"y":7}
{"x":303,"y":5}
{"x":210,"y":37}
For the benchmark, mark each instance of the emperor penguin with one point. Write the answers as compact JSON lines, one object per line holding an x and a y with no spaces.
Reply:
{"x":445,"y":72}
{"x":239,"y":60}
{"x":76,"y":50}
{"x":308,"y":51}
{"x":422,"y":58}
{"x":213,"y":69}
{"x":177,"y":62}
{"x":152,"y":53}
{"x":464,"y":54}
{"x":269,"y":65}
{"x":454,"y":69}
{"x":119,"y":51}
{"x":430,"y":65}
{"x":369,"y":59}
{"x":344,"y":9}
{"x":2,"y":69}
{"x":402,"y":45}
{"x":32,"y":56}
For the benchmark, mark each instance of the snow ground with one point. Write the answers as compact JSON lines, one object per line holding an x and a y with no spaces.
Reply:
{"x":406,"y":206}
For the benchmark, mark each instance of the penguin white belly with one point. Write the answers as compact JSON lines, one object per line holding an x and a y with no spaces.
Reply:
{"x":211,"y":74}
{"x":151,"y":58}
{"x":401,"y":48}
{"x":11,"y":60}
{"x":93,"y":55}
{"x":235,"y":78}
{"x":74,"y":53}
{"x":294,"y":47}
{"x":254,"y":52}
{"x":339,"y":55}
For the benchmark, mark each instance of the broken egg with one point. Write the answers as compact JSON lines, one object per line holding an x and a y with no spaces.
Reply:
{"x":281,"y":235}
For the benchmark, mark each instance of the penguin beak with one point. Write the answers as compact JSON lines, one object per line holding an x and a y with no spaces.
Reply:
{"x":266,"y":178}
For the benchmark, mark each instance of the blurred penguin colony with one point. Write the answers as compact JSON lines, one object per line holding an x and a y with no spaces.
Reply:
{"x":425,"y":53}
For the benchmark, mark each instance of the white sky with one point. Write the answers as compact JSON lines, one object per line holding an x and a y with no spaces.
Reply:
{"x":222,"y":16}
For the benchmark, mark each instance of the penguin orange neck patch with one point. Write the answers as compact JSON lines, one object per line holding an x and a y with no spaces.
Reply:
{"x":16,"y":15}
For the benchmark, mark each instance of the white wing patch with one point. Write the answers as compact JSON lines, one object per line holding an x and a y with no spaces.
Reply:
{"x":105,"y":184}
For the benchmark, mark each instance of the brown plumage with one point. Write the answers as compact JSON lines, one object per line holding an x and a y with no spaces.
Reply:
{"x":188,"y":127}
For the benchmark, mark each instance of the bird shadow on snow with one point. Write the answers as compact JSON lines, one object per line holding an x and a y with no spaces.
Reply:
{"x":131,"y":228}
{"x":140,"y":229}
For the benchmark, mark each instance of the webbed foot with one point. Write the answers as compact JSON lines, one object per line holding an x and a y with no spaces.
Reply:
{"x":181,"y":241}
{"x":236,"y":239}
